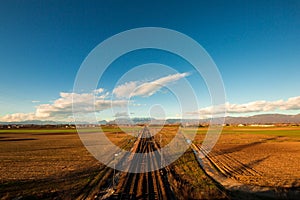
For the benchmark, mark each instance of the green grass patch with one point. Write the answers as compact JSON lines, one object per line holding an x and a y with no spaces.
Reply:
{"x":284,"y":132}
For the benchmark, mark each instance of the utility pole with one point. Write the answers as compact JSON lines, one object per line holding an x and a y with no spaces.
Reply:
{"x":114,"y":174}
{"x":161,"y":154}
{"x":116,"y":154}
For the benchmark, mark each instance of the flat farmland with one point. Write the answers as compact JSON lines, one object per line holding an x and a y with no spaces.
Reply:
{"x":48,"y":163}
{"x":267,"y":157}
{"x":54,"y":164}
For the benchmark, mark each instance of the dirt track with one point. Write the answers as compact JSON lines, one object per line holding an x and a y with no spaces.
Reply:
{"x":152,"y":184}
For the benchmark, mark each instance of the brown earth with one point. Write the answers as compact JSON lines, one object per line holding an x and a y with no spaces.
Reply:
{"x":54,"y":164}
{"x":48,"y":165}
{"x":270,"y":160}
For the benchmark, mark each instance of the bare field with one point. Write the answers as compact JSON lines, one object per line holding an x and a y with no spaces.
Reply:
{"x":48,"y":164}
{"x":258,"y":156}
{"x":31,"y":156}
{"x":53,"y":164}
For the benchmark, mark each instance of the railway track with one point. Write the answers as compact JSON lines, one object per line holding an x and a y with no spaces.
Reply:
{"x":100,"y":185}
{"x":151,"y":184}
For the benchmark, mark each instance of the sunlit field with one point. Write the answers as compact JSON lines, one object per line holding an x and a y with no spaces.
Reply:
{"x":257,"y":156}
{"x":53,"y":163}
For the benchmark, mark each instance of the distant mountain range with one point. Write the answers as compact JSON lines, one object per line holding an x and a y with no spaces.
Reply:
{"x":264,"y":119}
{"x":37,"y":122}
{"x":256,"y":119}
{"x":41,"y":122}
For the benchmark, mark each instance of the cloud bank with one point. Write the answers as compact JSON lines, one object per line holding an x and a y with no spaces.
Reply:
{"x":85,"y":103}
{"x":134,"y":88}
{"x":255,"y":106}
{"x":99,"y":100}
{"x":61,"y":108}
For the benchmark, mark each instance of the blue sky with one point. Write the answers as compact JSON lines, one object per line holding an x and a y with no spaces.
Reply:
{"x":255,"y":44}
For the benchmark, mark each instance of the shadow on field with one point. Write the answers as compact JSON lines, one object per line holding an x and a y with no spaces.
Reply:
{"x":60,"y":186}
{"x":278,"y":193}
{"x":255,"y":162}
{"x":250,"y":165}
{"x":244,"y":146}
{"x":62,"y":133}
{"x":16,"y":139}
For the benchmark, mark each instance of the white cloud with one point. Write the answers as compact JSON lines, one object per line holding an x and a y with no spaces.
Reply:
{"x":81,"y":103}
{"x":61,"y":108}
{"x":134,"y":88}
{"x":121,"y":114}
{"x":35,"y":101}
{"x":255,"y":106}
{"x":125,"y":90}
{"x":85,"y":103}
{"x":292,"y":104}
{"x":98,"y":91}
{"x":18,"y":117}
